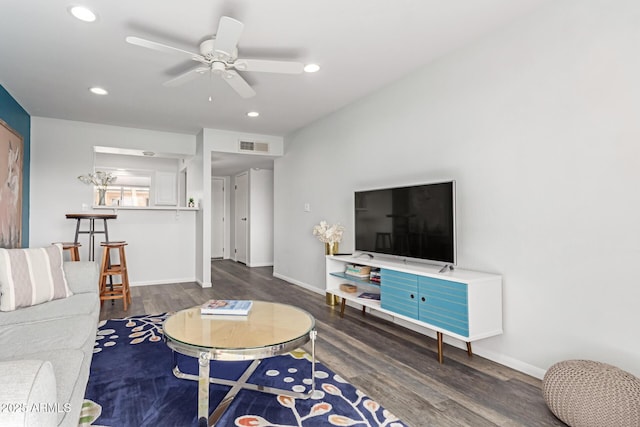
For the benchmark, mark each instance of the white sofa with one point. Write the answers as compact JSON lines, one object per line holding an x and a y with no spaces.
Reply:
{"x":46,"y":351}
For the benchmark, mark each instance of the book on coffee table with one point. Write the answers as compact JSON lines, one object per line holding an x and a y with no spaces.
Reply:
{"x":226,"y":307}
{"x":225,"y":317}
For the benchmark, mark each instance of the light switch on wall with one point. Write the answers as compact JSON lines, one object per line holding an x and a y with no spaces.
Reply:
{"x":307,"y":207}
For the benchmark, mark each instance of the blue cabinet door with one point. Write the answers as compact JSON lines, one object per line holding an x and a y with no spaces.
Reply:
{"x":399,"y":292}
{"x":444,"y":304}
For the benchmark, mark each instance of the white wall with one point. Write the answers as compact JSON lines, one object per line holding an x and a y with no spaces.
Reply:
{"x":221,"y":141}
{"x":161,"y":244}
{"x":226,"y":212}
{"x":200,"y":190}
{"x":260,"y":218}
{"x":538,"y":123}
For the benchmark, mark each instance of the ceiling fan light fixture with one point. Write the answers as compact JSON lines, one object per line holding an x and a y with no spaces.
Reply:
{"x":98,"y":90}
{"x":82,"y":13}
{"x":219,"y":56}
{"x":253,"y":114}
{"x":311,"y":68}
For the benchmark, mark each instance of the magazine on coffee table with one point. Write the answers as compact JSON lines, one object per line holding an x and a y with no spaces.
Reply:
{"x":226,"y":307}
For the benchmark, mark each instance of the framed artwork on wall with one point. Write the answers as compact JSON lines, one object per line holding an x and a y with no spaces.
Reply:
{"x":11,"y":170}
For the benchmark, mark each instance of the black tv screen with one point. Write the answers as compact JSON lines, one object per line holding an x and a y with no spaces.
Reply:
{"x":410,"y":222}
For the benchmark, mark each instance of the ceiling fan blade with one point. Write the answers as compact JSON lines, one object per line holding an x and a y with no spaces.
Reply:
{"x":269,"y":66}
{"x":238,"y":84}
{"x":228,"y":35}
{"x":185,"y":77}
{"x":162,"y":47}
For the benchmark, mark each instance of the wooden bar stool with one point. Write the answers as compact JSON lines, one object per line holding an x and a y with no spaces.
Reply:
{"x":114,"y":291}
{"x":72,"y":247}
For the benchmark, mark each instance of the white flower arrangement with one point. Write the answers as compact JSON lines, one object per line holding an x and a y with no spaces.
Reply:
{"x":328,"y":233}
{"x":100,"y":179}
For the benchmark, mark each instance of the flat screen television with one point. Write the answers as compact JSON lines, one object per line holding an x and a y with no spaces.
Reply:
{"x":417,"y":222}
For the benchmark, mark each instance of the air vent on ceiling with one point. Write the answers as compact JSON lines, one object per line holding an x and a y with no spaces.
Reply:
{"x":256,"y":147}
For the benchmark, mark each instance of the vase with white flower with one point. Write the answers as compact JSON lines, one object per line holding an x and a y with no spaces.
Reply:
{"x":330,"y":235}
{"x":101,"y":180}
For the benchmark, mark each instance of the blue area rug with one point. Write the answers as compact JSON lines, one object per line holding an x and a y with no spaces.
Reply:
{"x":131,"y":384}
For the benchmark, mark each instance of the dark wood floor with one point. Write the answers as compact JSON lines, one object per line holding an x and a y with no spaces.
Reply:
{"x":393,"y":365}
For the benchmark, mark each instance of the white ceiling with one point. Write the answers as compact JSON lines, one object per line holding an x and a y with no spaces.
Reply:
{"x":48,"y":59}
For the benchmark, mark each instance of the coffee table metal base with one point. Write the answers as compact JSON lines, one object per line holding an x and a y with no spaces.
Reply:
{"x":204,"y":379}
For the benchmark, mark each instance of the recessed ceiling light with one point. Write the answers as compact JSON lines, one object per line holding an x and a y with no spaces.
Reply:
{"x":311,"y":68}
{"x":253,"y":114}
{"x":83,"y":14}
{"x":98,"y":90}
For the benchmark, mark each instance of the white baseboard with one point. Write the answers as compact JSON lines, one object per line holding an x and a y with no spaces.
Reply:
{"x":261,"y":264}
{"x":478,"y":349}
{"x":163,"y":282}
{"x":204,"y":284}
{"x":299,"y":283}
{"x":502,"y":359}
{"x":512,"y":363}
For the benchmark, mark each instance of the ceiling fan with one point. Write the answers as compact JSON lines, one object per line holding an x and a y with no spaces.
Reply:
{"x":219,"y":56}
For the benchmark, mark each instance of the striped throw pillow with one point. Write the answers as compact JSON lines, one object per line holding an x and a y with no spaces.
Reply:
{"x":31,"y":276}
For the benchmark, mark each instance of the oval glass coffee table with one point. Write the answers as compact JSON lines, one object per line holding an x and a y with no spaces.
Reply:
{"x":270,"y":329}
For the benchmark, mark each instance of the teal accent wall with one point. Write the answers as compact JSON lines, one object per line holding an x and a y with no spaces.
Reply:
{"x":15,"y":116}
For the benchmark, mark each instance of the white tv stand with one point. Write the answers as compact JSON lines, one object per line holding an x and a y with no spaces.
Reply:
{"x":463,"y":304}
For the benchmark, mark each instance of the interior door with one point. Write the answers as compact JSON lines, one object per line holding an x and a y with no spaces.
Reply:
{"x":242,"y":217}
{"x":217,"y":218}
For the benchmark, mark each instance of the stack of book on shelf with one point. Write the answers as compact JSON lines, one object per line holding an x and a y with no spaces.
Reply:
{"x":225,"y":307}
{"x":374,"y":276}
{"x":361,"y":271}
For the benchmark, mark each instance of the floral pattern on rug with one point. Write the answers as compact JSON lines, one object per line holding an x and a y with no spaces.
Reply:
{"x":89,"y":413}
{"x":141,"y":328}
{"x":125,"y":390}
{"x":331,"y":391}
{"x":385,"y":418}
